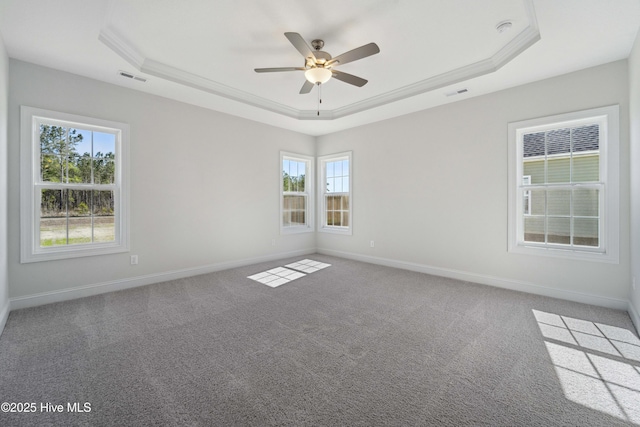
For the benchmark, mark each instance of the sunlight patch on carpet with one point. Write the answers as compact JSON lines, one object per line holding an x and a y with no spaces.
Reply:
{"x":308,"y":265}
{"x":608,"y":382}
{"x":276,"y":276}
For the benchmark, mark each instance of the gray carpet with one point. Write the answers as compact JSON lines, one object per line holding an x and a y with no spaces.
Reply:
{"x":353,"y":344}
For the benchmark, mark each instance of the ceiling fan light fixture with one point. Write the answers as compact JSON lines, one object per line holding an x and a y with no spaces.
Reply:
{"x":318,"y":75}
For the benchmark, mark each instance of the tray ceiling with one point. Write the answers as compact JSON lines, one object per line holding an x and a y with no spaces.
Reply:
{"x":204,"y":52}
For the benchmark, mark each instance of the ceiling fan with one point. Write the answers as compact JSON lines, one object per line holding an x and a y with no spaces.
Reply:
{"x":319,"y":66}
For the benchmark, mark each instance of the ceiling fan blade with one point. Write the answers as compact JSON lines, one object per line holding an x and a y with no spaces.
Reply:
{"x":275,"y":70}
{"x":349,"y":78}
{"x":306,"y":87}
{"x":298,"y":42}
{"x":355,"y":54}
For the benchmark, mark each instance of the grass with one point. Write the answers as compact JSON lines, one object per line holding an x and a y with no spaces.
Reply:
{"x":53,"y":231}
{"x":63,"y":241}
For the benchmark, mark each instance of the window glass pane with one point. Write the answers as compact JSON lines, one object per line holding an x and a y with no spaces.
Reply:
{"x":104,"y":169}
{"x":558,"y":170}
{"x":345,"y":202}
{"x":586,"y":168}
{"x":104,"y":227}
{"x":285,"y":174}
{"x":534,"y":169}
{"x":286,"y":181}
{"x":53,"y":217}
{"x":79,"y":208}
{"x":81,"y":169}
{"x":534,"y":229}
{"x":558,"y":142}
{"x":533,"y":144}
{"x":345,"y":184}
{"x":586,"y":202}
{"x":585,"y":232}
{"x":74,"y":174}
{"x":51,"y":168}
{"x":330,"y":171}
{"x":293,"y":174}
{"x":537,"y":202}
{"x":294,"y":210}
{"x":338,"y":185}
{"x":104,"y":143}
{"x":345,"y":168}
{"x":333,"y":219}
{"x":559,"y":202}
{"x":53,"y":139}
{"x":586,"y":138}
{"x":80,"y":142}
{"x":345,"y":219}
{"x":331,"y":185}
{"x":330,"y":202}
{"x":337,"y":167}
{"x":79,"y":230}
{"x":526,"y":204}
{"x":559,"y":230}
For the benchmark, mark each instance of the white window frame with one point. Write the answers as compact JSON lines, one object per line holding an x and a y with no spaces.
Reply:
{"x":609,"y":230}
{"x":526,"y":180}
{"x":308,"y":193}
{"x":322,"y":193}
{"x":31,"y":184}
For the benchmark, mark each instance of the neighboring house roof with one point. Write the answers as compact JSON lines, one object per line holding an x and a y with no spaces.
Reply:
{"x":585,"y":138}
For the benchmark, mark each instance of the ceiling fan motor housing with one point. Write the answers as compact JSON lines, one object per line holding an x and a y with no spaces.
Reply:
{"x":321,"y":58}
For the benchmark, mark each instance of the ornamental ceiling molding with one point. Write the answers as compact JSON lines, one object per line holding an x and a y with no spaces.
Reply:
{"x":521,"y":42}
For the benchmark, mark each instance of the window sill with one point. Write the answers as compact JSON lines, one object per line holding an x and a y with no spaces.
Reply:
{"x":72,"y":252}
{"x":296,"y":230}
{"x":606,"y":257}
{"x":335,"y":230}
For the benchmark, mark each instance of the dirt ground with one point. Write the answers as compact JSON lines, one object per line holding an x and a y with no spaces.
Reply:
{"x":55,"y":229}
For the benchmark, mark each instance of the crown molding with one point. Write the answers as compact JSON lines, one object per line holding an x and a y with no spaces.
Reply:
{"x":195,"y":81}
{"x":121,"y":47}
{"x":521,"y":42}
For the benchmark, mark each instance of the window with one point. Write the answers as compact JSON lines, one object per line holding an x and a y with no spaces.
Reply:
{"x":73,"y":186}
{"x":335,"y":192}
{"x":563,"y":196}
{"x":296,"y":193}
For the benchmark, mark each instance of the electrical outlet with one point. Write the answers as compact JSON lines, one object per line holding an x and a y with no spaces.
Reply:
{"x":372,"y":244}
{"x":633,"y":283}
{"x":134,"y":259}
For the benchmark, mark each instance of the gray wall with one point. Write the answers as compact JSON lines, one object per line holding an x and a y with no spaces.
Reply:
{"x":204,"y":185}
{"x":4,"y":88}
{"x":430,"y":188}
{"x":634,"y":114}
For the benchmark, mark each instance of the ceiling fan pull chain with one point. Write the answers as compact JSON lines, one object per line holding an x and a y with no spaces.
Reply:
{"x":319,"y":98}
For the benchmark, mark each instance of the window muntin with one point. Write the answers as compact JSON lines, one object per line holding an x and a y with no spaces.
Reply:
{"x":335,"y":191}
{"x":526,"y":196}
{"x":77,"y":185}
{"x":296,"y":193}
{"x":563,"y":190}
{"x":74,"y":192}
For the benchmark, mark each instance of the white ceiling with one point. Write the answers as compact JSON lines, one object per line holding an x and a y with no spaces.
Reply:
{"x":203,"y":52}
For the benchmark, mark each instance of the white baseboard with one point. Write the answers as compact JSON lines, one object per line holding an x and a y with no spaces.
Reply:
{"x":4,"y":315}
{"x":499,"y":282}
{"x":117,"y":285}
{"x":635,"y":316}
